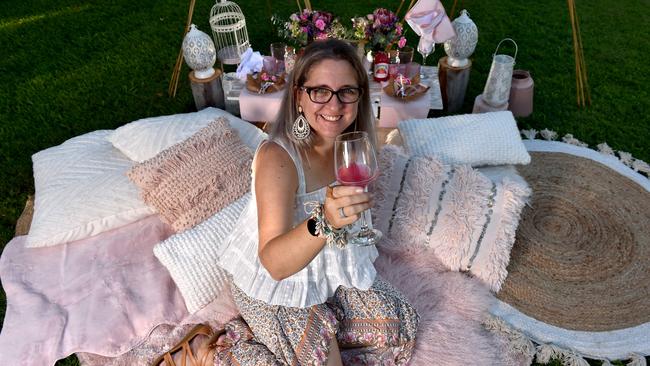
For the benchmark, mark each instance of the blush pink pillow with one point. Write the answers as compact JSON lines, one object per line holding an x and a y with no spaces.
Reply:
{"x":468,"y":220}
{"x":190,"y":181}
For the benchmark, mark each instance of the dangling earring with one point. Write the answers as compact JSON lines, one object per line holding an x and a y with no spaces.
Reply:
{"x":301,"y":129}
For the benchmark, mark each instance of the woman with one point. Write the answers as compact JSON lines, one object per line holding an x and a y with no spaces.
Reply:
{"x":303,"y":299}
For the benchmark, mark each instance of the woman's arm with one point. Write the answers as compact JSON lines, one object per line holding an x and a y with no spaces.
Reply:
{"x":283,"y":249}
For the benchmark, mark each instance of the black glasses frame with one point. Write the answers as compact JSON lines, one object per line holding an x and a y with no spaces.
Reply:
{"x":309,"y":90}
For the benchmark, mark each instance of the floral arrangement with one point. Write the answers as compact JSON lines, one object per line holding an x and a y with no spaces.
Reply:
{"x":381,"y":30}
{"x":309,"y":25}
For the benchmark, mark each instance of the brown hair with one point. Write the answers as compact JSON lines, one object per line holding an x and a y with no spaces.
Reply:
{"x":317,"y":51}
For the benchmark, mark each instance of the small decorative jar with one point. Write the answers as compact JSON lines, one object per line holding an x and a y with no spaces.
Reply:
{"x":199,"y":53}
{"x":521,"y":94}
{"x":462,"y":46}
{"x":380,"y":66}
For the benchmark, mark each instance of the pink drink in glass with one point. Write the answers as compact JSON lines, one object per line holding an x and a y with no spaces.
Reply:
{"x":355,"y":175}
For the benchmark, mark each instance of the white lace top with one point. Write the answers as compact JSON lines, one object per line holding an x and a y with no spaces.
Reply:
{"x":314,"y":284}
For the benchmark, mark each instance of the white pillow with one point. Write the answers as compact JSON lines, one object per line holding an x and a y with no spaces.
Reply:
{"x":82,"y":190}
{"x":145,"y":138}
{"x":191,"y":257}
{"x":474,"y":139}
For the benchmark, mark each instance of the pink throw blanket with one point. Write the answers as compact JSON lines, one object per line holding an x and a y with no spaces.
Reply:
{"x":102,"y":295}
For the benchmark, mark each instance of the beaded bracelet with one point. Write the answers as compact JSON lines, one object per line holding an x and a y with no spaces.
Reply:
{"x":332,"y":236}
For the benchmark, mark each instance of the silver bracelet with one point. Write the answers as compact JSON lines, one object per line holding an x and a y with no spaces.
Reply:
{"x":338,"y":237}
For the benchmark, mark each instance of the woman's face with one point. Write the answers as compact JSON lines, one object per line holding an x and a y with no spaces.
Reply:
{"x":332,"y":118}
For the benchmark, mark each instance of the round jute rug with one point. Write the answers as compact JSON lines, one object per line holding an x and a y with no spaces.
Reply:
{"x":581,"y":259}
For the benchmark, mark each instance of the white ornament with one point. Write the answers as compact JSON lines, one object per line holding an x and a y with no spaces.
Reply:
{"x":462,"y":46}
{"x":605,"y":149}
{"x":530,"y":134}
{"x":625,"y":158}
{"x":548,"y":134}
{"x":199,"y":53}
{"x":569,"y":139}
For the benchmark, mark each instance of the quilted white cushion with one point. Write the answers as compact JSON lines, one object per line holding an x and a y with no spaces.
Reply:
{"x":81,"y":191}
{"x":191,"y":257}
{"x":145,"y":138}
{"x":474,"y":139}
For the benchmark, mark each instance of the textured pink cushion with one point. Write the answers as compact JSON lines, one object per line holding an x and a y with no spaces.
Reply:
{"x":190,"y":181}
{"x":465,"y":218}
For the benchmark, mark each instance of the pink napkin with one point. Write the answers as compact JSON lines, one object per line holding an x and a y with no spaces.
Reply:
{"x":428,"y":20}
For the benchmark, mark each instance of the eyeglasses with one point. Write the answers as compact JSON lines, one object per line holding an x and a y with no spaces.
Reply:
{"x":322,"y":95}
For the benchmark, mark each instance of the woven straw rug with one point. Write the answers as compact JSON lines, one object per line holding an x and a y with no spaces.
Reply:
{"x":579,"y":275}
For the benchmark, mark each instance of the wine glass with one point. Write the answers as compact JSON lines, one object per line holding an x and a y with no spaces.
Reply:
{"x":425,"y":49}
{"x":356,"y":165}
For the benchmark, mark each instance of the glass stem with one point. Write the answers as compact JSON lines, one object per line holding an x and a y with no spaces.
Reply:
{"x":365,"y":218}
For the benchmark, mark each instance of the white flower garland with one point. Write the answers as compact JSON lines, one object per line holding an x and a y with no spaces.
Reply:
{"x":624,"y":157}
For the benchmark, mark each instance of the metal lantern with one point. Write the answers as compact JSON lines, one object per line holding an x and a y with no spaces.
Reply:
{"x":229,"y":31}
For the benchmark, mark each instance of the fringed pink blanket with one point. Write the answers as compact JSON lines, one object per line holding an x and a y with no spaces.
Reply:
{"x":103,"y":296}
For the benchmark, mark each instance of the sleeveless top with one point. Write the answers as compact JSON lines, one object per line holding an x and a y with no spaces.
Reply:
{"x":332,"y":267}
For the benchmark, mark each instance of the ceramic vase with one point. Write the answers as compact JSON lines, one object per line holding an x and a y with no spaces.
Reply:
{"x":199,"y":53}
{"x":462,"y":46}
{"x":521,"y":94}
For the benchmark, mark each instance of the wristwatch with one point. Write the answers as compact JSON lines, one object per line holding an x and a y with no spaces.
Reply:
{"x":311,"y":226}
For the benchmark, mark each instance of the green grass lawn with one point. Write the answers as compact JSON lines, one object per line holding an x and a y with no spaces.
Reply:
{"x":68,"y":67}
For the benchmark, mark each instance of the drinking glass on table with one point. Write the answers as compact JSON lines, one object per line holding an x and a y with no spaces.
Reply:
{"x":425,"y":49}
{"x":278,"y":51}
{"x":356,"y":165}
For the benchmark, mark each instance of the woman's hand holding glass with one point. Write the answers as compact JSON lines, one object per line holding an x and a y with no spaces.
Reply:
{"x":344,"y":205}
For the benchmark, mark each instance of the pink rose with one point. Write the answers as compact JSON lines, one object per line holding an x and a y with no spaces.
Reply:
{"x":320,"y":24}
{"x":401,"y":43}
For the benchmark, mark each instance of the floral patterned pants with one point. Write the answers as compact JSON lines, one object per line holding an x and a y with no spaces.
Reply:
{"x":372,"y":327}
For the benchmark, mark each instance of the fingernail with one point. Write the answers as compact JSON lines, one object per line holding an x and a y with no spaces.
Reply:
{"x":359,"y":190}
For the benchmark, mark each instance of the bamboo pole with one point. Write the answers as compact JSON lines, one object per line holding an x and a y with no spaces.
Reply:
{"x":399,"y":7}
{"x":453,"y":9}
{"x":583,"y":95}
{"x":299,"y":7}
{"x":173,"y":83}
{"x":308,"y":5}
{"x":583,"y":65}
{"x":410,"y":5}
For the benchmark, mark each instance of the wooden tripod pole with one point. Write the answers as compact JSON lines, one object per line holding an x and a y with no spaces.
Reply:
{"x":173,"y":83}
{"x":583,"y":95}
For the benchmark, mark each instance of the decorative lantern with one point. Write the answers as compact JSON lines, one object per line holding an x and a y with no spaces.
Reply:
{"x":497,"y":86}
{"x":199,"y":53}
{"x":462,"y":46}
{"x":229,"y":31}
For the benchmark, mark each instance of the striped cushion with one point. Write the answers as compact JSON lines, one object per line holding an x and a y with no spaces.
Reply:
{"x":468,"y":220}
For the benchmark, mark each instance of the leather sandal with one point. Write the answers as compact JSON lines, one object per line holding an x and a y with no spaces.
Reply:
{"x":184,"y":347}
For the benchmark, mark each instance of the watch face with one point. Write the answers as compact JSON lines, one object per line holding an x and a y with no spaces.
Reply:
{"x":311,"y":226}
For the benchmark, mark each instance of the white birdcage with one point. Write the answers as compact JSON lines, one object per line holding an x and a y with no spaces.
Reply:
{"x":229,"y":31}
